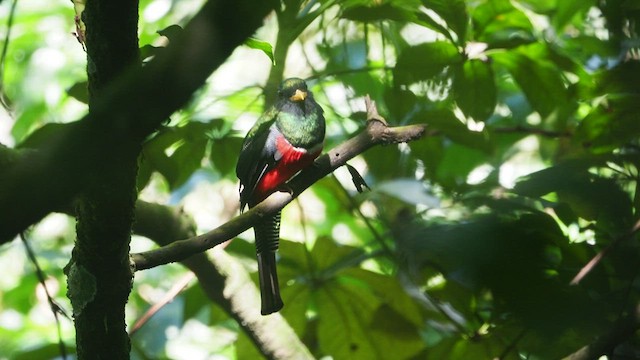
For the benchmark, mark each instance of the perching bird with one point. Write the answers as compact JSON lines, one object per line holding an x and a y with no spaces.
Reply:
{"x":284,"y":140}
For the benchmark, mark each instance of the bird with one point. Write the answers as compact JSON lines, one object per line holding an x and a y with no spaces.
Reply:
{"x":287,"y":138}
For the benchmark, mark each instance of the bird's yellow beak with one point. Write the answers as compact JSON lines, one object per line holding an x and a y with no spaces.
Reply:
{"x":299,"y":95}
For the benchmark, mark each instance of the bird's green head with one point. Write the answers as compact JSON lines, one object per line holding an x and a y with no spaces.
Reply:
{"x":293,"y":89}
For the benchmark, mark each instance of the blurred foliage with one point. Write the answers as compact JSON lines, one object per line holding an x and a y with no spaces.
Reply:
{"x":465,"y":245}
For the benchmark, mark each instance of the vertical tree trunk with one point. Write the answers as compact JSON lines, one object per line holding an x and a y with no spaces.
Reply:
{"x":100,"y":276}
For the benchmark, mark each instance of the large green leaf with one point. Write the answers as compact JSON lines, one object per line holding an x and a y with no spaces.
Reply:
{"x":569,"y":9}
{"x":475,"y":89}
{"x":352,"y":324}
{"x":500,"y":24}
{"x":400,"y":103}
{"x":456,"y":164}
{"x":430,"y":151}
{"x":540,"y":6}
{"x":383,"y":162}
{"x":224,"y":153}
{"x":360,"y":314}
{"x":390,"y":291}
{"x":610,"y":125}
{"x":454,"y":12}
{"x":510,"y":256}
{"x":541,"y":82}
{"x":28,"y":121}
{"x":424,"y":61}
{"x":378,"y":11}
{"x":590,"y":196}
{"x":194,"y":301}
{"x":176,"y":152}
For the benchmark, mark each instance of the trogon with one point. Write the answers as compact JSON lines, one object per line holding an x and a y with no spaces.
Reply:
{"x":284,"y":140}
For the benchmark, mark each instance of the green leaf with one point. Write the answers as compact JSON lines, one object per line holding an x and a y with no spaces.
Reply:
{"x":424,"y":61}
{"x":456,"y":164}
{"x":264,"y":46}
{"x":326,"y":254}
{"x":500,"y":24}
{"x":383,"y":163}
{"x":610,"y":125}
{"x":194,"y":301}
{"x":569,"y":9}
{"x":454,"y":12}
{"x":176,"y":152}
{"x":499,"y":13}
{"x":590,"y":197}
{"x":410,"y":191}
{"x":400,"y":102}
{"x":428,"y":21}
{"x":541,"y":6}
{"x":545,"y":181}
{"x":294,"y":260}
{"x":297,"y":298}
{"x":475,"y":89}
{"x":29,"y":120}
{"x":541,"y":81}
{"x":354,"y":324}
{"x":391,"y":293}
{"x":43,"y":352}
{"x":345,"y":315}
{"x":430,"y":151}
{"x":377,"y":12}
{"x":445,"y":121}
{"x":20,"y":298}
{"x":224,"y":153}
{"x":622,"y":79}
{"x":356,"y":308}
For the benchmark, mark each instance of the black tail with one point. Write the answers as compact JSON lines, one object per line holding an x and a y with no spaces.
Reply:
{"x":267,"y":237}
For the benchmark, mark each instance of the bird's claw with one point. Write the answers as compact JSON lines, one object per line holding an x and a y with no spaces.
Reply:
{"x":285,"y":188}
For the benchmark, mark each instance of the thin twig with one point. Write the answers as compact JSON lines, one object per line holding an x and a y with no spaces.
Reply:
{"x":599,"y":256}
{"x":55,"y":308}
{"x":176,"y":289}
{"x":356,"y":208}
{"x":512,"y":345}
{"x":5,"y":48}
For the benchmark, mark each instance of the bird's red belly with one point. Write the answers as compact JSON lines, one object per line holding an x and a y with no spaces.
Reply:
{"x":292,"y":161}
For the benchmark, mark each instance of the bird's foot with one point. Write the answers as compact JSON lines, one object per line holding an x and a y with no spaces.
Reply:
{"x":285,"y":188}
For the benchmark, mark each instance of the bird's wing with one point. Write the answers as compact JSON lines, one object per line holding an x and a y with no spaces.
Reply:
{"x":258,"y":155}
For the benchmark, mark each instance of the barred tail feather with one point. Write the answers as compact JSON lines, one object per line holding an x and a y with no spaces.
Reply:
{"x":267,"y":237}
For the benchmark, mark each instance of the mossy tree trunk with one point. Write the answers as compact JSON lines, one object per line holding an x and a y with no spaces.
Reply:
{"x":100,"y":275}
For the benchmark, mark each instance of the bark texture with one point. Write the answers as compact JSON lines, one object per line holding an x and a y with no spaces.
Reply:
{"x":99,"y":274}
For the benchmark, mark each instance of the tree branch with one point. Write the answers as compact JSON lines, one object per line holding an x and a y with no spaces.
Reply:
{"x":130,"y":109}
{"x":605,"y":344}
{"x":376,"y":133}
{"x":225,"y":282}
